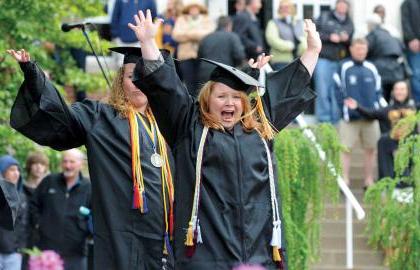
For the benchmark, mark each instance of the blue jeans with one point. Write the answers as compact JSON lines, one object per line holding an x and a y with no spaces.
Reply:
{"x":326,"y":108}
{"x":12,"y":261}
{"x":414,"y":62}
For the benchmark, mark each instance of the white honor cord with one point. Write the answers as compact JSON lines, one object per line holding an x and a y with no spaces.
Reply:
{"x":276,"y":239}
{"x":194,"y":211}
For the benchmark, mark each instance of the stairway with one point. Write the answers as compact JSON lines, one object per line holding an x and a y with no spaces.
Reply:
{"x":333,"y":228}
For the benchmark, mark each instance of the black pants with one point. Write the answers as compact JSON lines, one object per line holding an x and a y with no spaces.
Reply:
{"x":75,"y":262}
{"x":386,"y":148}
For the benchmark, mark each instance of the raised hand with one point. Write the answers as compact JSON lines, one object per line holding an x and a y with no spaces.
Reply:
{"x":261,"y":61}
{"x":20,"y":56}
{"x":145,"y":29}
{"x":313,"y":40}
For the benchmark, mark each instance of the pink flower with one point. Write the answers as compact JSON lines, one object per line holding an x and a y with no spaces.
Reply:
{"x":249,"y":267}
{"x":48,"y":260}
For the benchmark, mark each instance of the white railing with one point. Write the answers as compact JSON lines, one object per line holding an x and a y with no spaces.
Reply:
{"x":351,"y":201}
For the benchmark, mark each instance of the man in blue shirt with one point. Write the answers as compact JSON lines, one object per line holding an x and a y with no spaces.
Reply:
{"x":358,"y":79}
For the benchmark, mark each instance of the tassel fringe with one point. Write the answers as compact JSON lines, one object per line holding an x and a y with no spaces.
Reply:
{"x":190,"y":236}
{"x":136,"y":198}
{"x":277,"y":258}
{"x":145,"y":207}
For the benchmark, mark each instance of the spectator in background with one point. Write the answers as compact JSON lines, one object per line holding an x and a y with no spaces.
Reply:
{"x":400,"y":106}
{"x":386,"y":53}
{"x":358,"y":79}
{"x":164,"y":36}
{"x":122,"y":14}
{"x":222,"y":46}
{"x":55,"y":213}
{"x":190,"y":28}
{"x":239,"y":6}
{"x":9,"y":200}
{"x":285,"y":36}
{"x":410,"y":14}
{"x":11,"y":241}
{"x":247,"y":26}
{"x":336,"y":29}
{"x":36,"y":167}
{"x":380,"y":11}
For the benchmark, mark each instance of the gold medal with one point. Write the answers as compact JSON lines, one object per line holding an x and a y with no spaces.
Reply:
{"x":156,"y":160}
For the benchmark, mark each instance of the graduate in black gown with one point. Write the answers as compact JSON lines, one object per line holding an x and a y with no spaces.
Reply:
{"x":226,"y":208}
{"x":132,"y":193}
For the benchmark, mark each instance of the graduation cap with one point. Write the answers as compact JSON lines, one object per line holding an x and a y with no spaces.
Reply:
{"x":8,"y":204}
{"x":131,"y":54}
{"x":245,"y":80}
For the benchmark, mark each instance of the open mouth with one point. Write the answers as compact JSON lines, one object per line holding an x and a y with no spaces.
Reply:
{"x":227,"y":114}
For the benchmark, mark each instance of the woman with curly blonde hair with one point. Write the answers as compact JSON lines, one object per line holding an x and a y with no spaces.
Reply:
{"x":132,"y":192}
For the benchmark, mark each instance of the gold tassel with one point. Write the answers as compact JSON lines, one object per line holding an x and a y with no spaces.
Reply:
{"x":267,"y":129}
{"x":190,"y":235}
{"x":276,"y":255}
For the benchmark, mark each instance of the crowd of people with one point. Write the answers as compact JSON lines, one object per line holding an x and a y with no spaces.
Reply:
{"x":145,"y":205}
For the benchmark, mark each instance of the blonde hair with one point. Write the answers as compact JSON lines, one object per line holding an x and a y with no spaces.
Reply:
{"x":118,"y":99}
{"x":250,"y":119}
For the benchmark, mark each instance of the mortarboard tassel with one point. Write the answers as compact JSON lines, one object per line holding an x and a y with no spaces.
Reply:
{"x":276,"y":236}
{"x":167,"y":247}
{"x":277,"y":258}
{"x":136,"y":198}
{"x":199,"y":238}
{"x":190,"y":235}
{"x":267,"y":129}
{"x":189,"y":242}
{"x":145,"y":208}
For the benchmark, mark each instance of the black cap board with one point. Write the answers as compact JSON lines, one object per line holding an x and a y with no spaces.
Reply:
{"x":131,"y":54}
{"x":243,"y":80}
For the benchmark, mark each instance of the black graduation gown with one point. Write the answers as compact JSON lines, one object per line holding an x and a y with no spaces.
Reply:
{"x":124,"y":238}
{"x":235,"y":210}
{"x":9,"y":204}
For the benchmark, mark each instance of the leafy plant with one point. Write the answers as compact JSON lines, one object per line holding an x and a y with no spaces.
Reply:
{"x":304,"y":181}
{"x":35,"y":26}
{"x":394,"y":225}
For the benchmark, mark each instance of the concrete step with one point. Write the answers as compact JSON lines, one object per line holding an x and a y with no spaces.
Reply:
{"x":338,"y":228}
{"x":361,"y":258}
{"x":331,"y":242}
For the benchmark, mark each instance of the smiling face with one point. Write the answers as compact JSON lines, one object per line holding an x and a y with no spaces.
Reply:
{"x":226,"y":105}
{"x":133,"y":94}
{"x":400,"y":91}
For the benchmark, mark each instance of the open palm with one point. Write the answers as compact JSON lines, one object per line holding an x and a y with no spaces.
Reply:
{"x":21,"y":56}
{"x":145,"y":29}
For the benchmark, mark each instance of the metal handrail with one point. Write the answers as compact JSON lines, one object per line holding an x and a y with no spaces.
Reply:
{"x":351,"y":201}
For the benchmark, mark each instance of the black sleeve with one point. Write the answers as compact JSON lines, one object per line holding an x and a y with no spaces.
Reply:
{"x":380,"y":114}
{"x":22,"y":222}
{"x":287,"y":93}
{"x":171,"y":104}
{"x":41,"y":114}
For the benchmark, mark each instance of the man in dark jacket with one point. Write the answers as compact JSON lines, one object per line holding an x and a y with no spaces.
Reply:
{"x":410,"y":14}
{"x":386,"y":53}
{"x":13,"y":240}
{"x":55,"y":212}
{"x":335,"y":29}
{"x":247,"y":26}
{"x":222,"y":46}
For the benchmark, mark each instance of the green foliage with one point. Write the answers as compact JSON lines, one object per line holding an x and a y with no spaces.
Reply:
{"x":35,"y":26}
{"x":13,"y":143}
{"x":304,"y":181}
{"x":393,"y":225}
